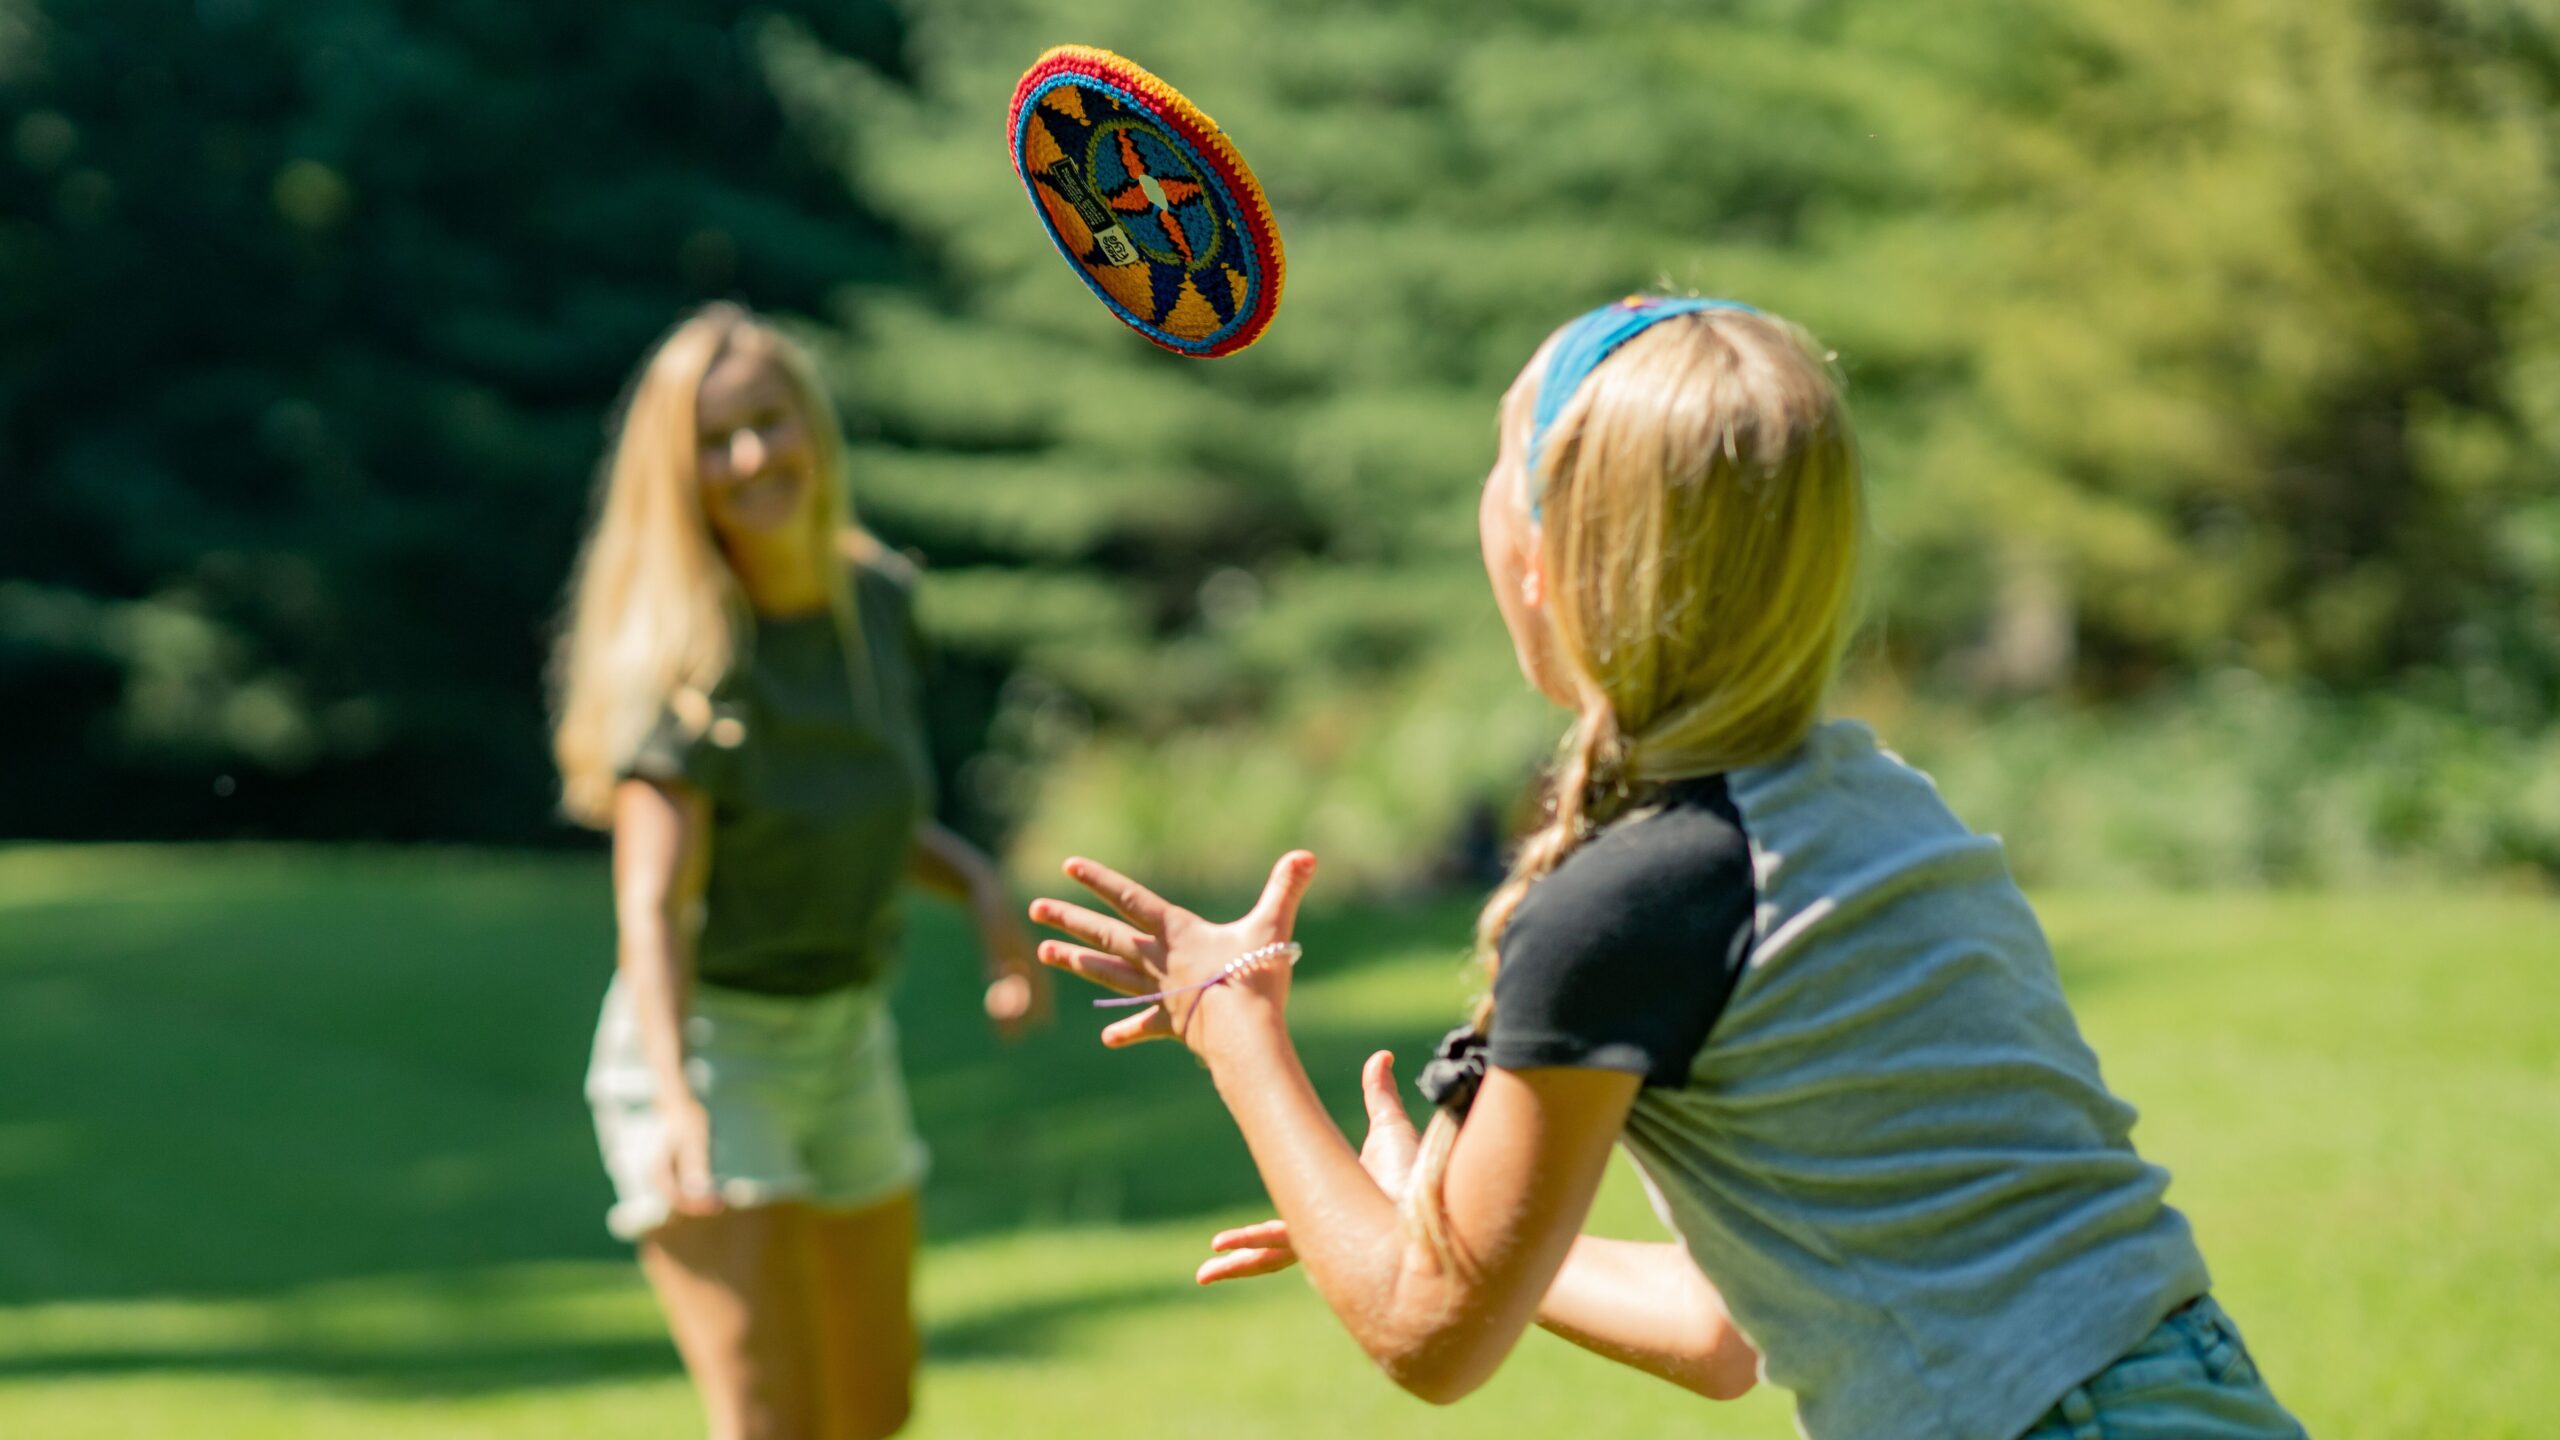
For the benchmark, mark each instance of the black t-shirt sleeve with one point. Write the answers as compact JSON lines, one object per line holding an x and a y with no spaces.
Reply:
{"x":1624,"y":956}
{"x":670,"y":752}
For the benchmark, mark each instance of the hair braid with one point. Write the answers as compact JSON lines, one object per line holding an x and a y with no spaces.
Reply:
{"x":1586,"y":789}
{"x":1700,"y":534}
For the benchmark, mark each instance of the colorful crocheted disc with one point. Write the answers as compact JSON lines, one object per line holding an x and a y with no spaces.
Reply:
{"x":1147,"y":198}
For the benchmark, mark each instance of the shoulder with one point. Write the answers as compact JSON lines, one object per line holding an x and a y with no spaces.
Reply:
{"x":1652,"y":870}
{"x":677,"y":745}
{"x":884,"y":579}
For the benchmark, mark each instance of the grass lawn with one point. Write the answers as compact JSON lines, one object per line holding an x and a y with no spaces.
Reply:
{"x":291,"y":1145}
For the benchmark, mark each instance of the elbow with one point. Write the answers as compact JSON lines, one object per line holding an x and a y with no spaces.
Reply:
{"x":650,"y":922}
{"x":1439,"y":1394}
{"x":1440,"y":1368}
{"x":1437,"y":1342}
{"x":1433,"y":1382}
{"x":1727,"y":1367}
{"x":639,"y":938}
{"x":1727,"y":1382}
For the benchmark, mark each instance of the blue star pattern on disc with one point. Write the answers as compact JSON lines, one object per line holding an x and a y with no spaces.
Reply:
{"x":1164,"y":202}
{"x":1147,"y":198}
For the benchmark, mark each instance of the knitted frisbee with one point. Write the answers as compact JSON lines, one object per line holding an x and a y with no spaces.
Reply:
{"x":1147,"y":199}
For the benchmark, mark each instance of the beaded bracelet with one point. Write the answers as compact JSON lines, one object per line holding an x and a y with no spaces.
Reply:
{"x":1277,"y":952}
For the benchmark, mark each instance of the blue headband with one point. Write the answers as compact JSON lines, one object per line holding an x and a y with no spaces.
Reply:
{"x":1589,"y":340}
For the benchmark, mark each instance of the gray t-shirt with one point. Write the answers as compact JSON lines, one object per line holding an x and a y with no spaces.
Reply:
{"x":817,"y":776}
{"x":1866,"y":1111}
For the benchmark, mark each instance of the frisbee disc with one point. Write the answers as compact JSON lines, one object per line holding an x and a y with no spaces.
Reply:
{"x":1148,"y":200}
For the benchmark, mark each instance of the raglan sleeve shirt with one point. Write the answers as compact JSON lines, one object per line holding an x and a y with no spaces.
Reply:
{"x":1623,"y":956}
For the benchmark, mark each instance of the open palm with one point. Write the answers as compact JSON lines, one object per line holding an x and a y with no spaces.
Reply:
{"x":1155,"y":947}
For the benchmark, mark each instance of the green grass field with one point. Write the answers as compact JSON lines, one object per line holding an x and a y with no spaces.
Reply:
{"x":291,"y":1145}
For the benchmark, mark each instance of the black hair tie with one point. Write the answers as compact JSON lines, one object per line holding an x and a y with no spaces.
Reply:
{"x":1456,"y":1068}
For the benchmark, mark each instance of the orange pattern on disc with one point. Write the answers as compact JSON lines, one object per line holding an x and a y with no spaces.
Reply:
{"x":1188,"y":206}
{"x":1042,"y":145}
{"x":1130,"y":285}
{"x":1071,"y":226}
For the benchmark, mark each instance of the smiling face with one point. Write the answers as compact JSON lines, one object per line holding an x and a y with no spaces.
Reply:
{"x":756,"y":459}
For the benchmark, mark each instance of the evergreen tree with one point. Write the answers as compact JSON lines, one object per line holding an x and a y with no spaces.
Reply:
{"x":310,"y":313}
{"x":2165,"y":357}
{"x":2183,"y":334}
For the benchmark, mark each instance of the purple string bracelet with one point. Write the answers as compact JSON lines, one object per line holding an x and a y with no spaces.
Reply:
{"x":1277,"y":952}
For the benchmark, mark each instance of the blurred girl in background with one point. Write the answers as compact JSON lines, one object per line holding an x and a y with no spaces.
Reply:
{"x":739,"y":699}
{"x":1749,"y":945}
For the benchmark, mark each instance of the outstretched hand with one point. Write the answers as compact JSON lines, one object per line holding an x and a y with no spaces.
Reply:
{"x":1158,"y":947}
{"x":1388,"y":1154}
{"x":1017,"y":996}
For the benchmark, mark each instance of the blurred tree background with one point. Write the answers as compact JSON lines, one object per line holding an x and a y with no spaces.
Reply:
{"x":310,"y":314}
{"x":2207,"y":354}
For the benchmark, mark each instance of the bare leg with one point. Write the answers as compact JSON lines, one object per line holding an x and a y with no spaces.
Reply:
{"x":739,"y":1296}
{"x":861,"y":1261}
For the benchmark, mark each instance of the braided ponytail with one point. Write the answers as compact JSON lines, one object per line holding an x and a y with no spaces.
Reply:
{"x":1700,"y":532}
{"x":1586,"y":789}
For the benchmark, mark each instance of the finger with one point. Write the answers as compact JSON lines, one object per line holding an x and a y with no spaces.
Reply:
{"x":1093,"y":965}
{"x":1143,"y":906}
{"x":1244,"y":1264}
{"x":1262,"y":1235}
{"x":1152,"y":1023}
{"x":1378,"y":1091}
{"x":1278,"y":907}
{"x":1097,"y":930}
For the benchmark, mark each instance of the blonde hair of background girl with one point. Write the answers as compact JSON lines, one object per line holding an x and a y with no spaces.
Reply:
{"x":1701,"y":529}
{"x":656,"y":616}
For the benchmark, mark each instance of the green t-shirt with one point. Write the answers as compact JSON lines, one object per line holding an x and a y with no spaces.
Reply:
{"x":815,"y":796}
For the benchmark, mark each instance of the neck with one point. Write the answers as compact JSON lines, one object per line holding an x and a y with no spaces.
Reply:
{"x":779,"y":574}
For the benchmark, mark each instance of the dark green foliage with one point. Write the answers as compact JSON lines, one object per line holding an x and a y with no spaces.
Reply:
{"x":2186,"y":335}
{"x":310,"y":315}
{"x":2183,"y":336}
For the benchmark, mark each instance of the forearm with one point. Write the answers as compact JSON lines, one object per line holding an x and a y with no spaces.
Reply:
{"x":661,"y":863}
{"x":1517,"y":1185}
{"x":657,"y":975}
{"x":946,"y":865}
{"x":1400,"y":1307}
{"x":1646,"y":1305}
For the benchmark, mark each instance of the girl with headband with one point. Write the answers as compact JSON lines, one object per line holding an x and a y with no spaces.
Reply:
{"x":1749,"y":945}
{"x":741,"y":705}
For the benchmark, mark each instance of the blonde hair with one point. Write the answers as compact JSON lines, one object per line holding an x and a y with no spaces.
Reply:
{"x":1701,"y":529}
{"x":656,"y":617}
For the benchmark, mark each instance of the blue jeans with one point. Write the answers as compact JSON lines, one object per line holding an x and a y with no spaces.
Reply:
{"x":2190,"y":1379}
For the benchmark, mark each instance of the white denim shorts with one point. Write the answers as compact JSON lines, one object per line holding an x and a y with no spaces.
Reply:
{"x":804,"y":1095}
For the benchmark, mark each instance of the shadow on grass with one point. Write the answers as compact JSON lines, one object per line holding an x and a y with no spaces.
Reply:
{"x":424,"y":1373}
{"x":446,"y":1371}
{"x":241,"y":1072}
{"x":1038,"y":1327}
